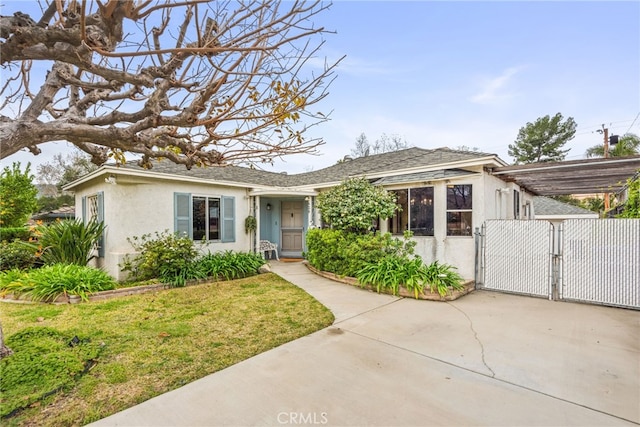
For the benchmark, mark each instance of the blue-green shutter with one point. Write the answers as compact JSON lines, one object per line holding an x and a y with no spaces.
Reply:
{"x":228,"y":219}
{"x":84,"y":209}
{"x":101,"y":241}
{"x":182,"y":214}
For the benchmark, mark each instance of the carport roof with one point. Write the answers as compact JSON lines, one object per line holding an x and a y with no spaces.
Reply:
{"x":585,"y":176}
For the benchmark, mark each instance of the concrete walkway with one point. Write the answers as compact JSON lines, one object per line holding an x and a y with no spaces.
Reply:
{"x":485,"y":359}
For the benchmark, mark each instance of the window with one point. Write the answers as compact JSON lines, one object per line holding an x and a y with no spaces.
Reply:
{"x":205,"y":218}
{"x":516,"y":204}
{"x":400,"y":218}
{"x":459,"y":210}
{"x":93,"y":210}
{"x":417,"y":212}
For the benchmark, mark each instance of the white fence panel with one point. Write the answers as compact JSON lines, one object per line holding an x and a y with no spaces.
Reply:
{"x":601,"y":261}
{"x":518,"y":256}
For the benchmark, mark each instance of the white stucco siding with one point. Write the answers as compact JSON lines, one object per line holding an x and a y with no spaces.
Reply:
{"x":145,"y":207}
{"x":499,"y":196}
{"x":458,"y":251}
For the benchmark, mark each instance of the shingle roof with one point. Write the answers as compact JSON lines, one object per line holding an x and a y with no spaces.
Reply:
{"x":218,"y":173}
{"x":545,"y":206}
{"x":424,"y":176}
{"x":386,"y":162}
{"x":361,"y":166}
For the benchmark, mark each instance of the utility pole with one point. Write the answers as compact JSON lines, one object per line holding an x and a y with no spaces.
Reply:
{"x":606,"y":155}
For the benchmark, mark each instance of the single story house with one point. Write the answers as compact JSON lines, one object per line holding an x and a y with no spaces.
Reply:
{"x":445,"y":195}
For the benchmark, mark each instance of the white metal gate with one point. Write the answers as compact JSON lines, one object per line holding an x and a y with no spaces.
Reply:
{"x":588,"y":260}
{"x":601,"y":261}
{"x":517,"y":256}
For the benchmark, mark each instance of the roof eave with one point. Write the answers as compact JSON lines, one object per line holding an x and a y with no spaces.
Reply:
{"x":114,"y":170}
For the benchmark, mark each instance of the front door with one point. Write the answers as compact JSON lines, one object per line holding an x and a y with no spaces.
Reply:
{"x":291,"y":227}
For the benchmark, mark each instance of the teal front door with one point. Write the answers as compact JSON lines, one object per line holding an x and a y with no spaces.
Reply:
{"x":291,"y":227}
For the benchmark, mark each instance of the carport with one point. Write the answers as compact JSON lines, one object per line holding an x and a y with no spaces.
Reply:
{"x":585,"y":176}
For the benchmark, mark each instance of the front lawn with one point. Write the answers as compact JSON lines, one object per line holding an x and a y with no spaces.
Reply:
{"x":145,"y":345}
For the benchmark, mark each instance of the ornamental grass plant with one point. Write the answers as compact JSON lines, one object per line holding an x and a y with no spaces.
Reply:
{"x":68,"y":241}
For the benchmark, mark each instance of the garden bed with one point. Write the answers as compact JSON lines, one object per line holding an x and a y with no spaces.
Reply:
{"x":98,"y":296}
{"x":105,"y":295}
{"x":452,"y":295}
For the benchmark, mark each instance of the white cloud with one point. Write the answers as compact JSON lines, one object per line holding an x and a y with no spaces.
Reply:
{"x":496,"y":89}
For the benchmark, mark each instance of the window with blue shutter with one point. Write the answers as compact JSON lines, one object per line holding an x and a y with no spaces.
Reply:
{"x":100,"y":218}
{"x":182,"y":214}
{"x":205,"y":218}
{"x":228,"y":219}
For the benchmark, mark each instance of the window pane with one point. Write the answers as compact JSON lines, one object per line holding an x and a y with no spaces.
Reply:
{"x":422,"y":211}
{"x":214,"y":219}
{"x":199,"y":218}
{"x":459,"y":197}
{"x":228,"y":219}
{"x":459,"y":224}
{"x":398,"y":222}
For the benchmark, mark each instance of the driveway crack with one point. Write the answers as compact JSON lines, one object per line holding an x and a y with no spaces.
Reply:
{"x":475,"y":334}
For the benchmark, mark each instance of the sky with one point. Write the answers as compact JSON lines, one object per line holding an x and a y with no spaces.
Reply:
{"x":453,"y":73}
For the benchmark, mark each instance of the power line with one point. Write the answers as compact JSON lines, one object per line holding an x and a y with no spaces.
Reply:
{"x":634,"y":122}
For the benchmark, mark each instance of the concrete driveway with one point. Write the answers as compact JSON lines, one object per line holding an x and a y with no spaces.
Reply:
{"x":485,"y":359}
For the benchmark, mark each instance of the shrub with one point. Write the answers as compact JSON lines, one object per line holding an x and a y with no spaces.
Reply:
{"x":345,"y":253}
{"x":389,"y":273}
{"x":395,"y":271}
{"x":441,"y":277}
{"x":355,"y":204}
{"x":69,"y":241}
{"x":166,"y":255}
{"x":49,"y":282}
{"x":177,"y":275}
{"x":16,"y":255}
{"x":230,"y":265}
{"x":9,"y":234}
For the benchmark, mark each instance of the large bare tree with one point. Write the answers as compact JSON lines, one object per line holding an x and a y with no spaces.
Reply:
{"x":196,"y":82}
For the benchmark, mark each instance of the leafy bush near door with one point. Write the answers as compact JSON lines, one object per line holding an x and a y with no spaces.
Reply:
{"x":345,"y":253}
{"x":380,"y":260}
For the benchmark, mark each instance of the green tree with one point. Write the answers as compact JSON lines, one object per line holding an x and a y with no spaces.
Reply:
{"x":631,"y":208}
{"x":355,"y":204}
{"x":542,"y":141}
{"x":18,"y":196}
{"x":628,"y":145}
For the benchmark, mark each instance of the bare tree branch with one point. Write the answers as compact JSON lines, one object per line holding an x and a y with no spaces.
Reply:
{"x":236,"y":85}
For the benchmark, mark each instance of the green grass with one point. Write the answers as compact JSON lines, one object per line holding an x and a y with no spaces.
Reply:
{"x":153,"y":343}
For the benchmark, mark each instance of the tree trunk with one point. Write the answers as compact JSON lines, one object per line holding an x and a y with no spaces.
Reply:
{"x":4,"y":350}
